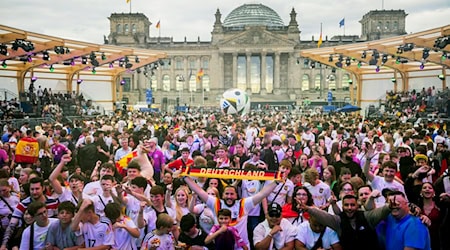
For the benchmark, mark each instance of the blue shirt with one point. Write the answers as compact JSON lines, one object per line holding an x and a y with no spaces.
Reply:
{"x":407,"y":232}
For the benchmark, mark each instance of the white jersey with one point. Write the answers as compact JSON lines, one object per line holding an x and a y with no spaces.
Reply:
{"x":320,"y":193}
{"x":309,"y":238}
{"x":7,"y":209}
{"x":287,"y":189}
{"x":239,"y":213}
{"x":67,"y":195}
{"x":279,"y":239}
{"x":150,"y":217}
{"x":379,"y":183}
{"x":100,"y":203}
{"x":99,"y":234}
{"x":123,"y":239}
{"x":250,"y":188}
{"x":40,"y":233}
{"x":161,"y":242}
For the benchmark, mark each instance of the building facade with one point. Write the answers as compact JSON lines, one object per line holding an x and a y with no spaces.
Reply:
{"x":251,"y":49}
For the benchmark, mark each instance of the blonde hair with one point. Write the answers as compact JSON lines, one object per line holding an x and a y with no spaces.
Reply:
{"x":178,"y":210}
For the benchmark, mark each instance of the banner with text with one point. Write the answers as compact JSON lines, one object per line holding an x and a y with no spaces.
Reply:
{"x":229,"y":173}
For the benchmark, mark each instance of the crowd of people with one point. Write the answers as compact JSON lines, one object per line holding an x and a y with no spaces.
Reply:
{"x":117,"y":182}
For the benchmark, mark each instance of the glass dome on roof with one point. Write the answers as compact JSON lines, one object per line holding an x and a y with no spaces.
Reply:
{"x":252,"y":15}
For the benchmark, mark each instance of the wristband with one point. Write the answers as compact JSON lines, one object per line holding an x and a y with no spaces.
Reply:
{"x":270,"y":235}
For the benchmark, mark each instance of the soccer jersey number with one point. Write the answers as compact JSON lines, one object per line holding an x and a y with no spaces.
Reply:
{"x":91,"y":242}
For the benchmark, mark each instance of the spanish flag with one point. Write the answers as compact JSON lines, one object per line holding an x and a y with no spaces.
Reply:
{"x":200,"y":74}
{"x":122,"y":164}
{"x":27,"y":150}
{"x":158,"y":25}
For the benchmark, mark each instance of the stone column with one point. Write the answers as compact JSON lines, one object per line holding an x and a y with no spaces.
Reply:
{"x":186,"y":74}
{"x":276,"y":73}
{"x":248,"y":57}
{"x":235,"y":68}
{"x":263,"y":89}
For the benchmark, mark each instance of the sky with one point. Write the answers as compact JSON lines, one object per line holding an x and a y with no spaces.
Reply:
{"x":87,"y":20}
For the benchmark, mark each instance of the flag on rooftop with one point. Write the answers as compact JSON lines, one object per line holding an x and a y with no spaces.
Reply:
{"x":158,"y":25}
{"x":342,"y":22}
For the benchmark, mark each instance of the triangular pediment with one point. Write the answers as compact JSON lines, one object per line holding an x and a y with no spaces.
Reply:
{"x":255,"y":37}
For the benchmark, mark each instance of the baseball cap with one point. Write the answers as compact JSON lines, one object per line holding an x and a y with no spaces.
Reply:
{"x":274,"y":210}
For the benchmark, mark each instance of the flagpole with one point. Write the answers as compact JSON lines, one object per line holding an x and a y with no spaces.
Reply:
{"x":130,"y":6}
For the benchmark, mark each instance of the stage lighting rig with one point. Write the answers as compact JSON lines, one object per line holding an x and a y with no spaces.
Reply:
{"x":27,"y":46}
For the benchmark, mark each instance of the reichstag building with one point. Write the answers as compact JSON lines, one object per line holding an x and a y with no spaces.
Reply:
{"x":250,"y":49}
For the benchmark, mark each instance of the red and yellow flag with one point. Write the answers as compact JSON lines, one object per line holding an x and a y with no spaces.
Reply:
{"x":200,"y":74}
{"x":158,"y":25}
{"x":122,"y":164}
{"x":128,"y":1}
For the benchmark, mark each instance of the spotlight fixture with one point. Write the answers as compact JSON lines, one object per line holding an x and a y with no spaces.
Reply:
{"x":33,"y":79}
{"x":393,"y":79}
{"x":45,"y":56}
{"x":348,"y":62}
{"x":442,"y":42}
{"x":359,"y":65}
{"x":136,"y":59}
{"x":94,"y":71}
{"x":442,"y":77}
{"x":67,"y":51}
{"x":350,"y":81}
{"x":120,"y":63}
{"x":330,"y":59}
{"x":111,"y":65}
{"x":384,"y":59}
{"x":51,"y":68}
{"x":161,"y":62}
{"x":79,"y":81}
{"x":4,"y":65}
{"x":59,"y":50}
{"x":408,"y":47}
{"x":126,"y":59}
{"x":312,"y":65}
{"x":338,"y":64}
{"x":375,"y":54}
{"x":95,"y":63}
{"x":103,"y":56}
{"x":377,"y":69}
{"x":128,"y":65}
{"x":364,"y":55}
{"x":421,"y":66}
{"x":425,"y":53}
{"x":29,"y":58}
{"x":68,"y":62}
{"x":3,"y":49}
{"x":333,"y":70}
{"x":373,"y":61}
{"x":138,"y":71}
{"x":92,"y":56}
{"x":444,"y":56}
{"x":399,"y":50}
{"x":122,"y":82}
{"x":341,"y":58}
{"x":84,"y":60}
{"x":27,"y":46}
{"x":72,"y":62}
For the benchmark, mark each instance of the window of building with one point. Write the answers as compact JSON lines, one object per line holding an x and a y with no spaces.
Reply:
{"x":205,"y":63}
{"x":126,"y":29}
{"x":305,"y":82}
{"x":133,"y":28}
{"x":179,"y":63}
{"x":269,"y":74}
{"x":206,"y":83}
{"x":331,"y":80}
{"x":380,"y":25}
{"x":192,"y":63}
{"x":127,"y":85}
{"x":242,"y":73}
{"x":154,"y":83}
{"x":180,"y":82}
{"x":119,"y":28}
{"x":166,"y":83}
{"x":344,"y":83}
{"x":387,"y":26}
{"x":255,"y":73}
{"x":193,"y":83}
{"x":395,"y":26}
{"x":317,"y":82}
{"x":166,"y":63}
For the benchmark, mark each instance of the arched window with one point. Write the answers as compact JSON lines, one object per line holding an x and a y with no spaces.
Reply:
{"x":331,"y":80}
{"x":166,"y":83}
{"x":305,"y":82}
{"x":387,"y":26}
{"x":192,"y":63}
{"x":205,"y":63}
{"x":180,"y":82}
{"x":133,"y":28}
{"x":179,"y":63}
{"x":154,"y":82}
{"x":126,"y":29}
{"x":317,"y":82}
{"x":193,"y":83}
{"x":344,"y":83}
{"x":380,"y":25}
{"x":119,"y":28}
{"x":205,"y":83}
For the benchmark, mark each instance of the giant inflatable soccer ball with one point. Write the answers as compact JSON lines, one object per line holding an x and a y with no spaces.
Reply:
{"x":235,"y":101}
